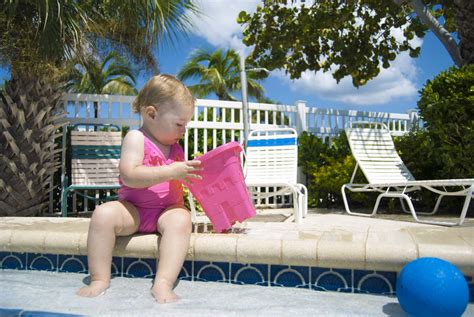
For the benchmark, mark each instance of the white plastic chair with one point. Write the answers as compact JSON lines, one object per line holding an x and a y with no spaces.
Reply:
{"x":373,"y":148}
{"x":272,"y":161}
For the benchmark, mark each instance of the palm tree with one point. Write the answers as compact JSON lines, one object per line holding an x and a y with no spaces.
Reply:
{"x":37,"y":39}
{"x":218,"y":72}
{"x":111,"y":76}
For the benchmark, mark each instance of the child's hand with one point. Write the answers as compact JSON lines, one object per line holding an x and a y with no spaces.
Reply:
{"x":184,"y":171}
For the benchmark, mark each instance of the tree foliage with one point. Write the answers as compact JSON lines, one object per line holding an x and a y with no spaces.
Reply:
{"x":93,"y":75}
{"x":218,"y":72}
{"x":447,"y":108}
{"x":349,"y":38}
{"x":327,"y":164}
{"x":36,"y":34}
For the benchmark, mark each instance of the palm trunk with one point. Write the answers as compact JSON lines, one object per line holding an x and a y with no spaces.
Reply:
{"x":30,"y":115}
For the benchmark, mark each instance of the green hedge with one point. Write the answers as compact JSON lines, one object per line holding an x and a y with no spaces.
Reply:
{"x":447,"y":108}
{"x":327,"y":166}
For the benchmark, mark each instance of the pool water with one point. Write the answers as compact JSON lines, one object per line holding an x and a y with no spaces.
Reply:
{"x":55,"y":293}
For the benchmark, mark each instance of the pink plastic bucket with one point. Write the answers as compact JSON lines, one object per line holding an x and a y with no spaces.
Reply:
{"x":222,"y":192}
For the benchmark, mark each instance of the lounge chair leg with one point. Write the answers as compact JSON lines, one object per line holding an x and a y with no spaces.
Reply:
{"x":303,"y":200}
{"x":344,"y":199}
{"x":410,"y":205}
{"x":435,"y":209}
{"x":346,"y":204}
{"x":401,"y":196}
{"x":300,"y":204}
{"x":438,"y":202}
{"x":412,"y":209}
{"x":377,"y":202}
{"x":405,"y":210}
{"x":442,"y":223}
{"x":297,"y":206}
{"x":465,"y":206}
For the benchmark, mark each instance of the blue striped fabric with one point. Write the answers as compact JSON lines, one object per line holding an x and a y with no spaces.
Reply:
{"x":95,"y":152}
{"x":272,"y":142}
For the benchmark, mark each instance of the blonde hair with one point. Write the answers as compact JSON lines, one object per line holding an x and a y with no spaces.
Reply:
{"x":161,"y":89}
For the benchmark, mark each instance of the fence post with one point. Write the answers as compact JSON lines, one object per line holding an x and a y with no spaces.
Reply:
{"x":300,"y":128}
{"x":300,"y":116}
{"x":414,"y":119}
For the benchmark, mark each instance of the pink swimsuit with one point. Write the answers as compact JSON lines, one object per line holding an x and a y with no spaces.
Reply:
{"x":153,"y":200}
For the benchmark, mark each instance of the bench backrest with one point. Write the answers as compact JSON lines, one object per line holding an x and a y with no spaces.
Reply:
{"x":95,"y":157}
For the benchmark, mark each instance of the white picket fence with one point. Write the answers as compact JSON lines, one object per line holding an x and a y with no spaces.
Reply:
{"x":217,"y":122}
{"x":222,"y":120}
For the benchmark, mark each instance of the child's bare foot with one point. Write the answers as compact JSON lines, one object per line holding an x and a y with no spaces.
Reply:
{"x":96,"y":288}
{"x":163,"y":293}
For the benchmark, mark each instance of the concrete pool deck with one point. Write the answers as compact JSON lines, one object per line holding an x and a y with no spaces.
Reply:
{"x":323,"y":239}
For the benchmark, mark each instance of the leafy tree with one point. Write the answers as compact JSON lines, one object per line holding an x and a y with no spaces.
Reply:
{"x":218,"y":72}
{"x":39,"y":35}
{"x":446,"y":107}
{"x":112,"y":75}
{"x":352,"y":38}
{"x":37,"y":39}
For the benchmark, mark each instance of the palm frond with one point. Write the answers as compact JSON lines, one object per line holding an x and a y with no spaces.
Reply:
{"x":218,"y":72}
{"x":102,"y":76}
{"x":120,"y":86}
{"x":200,"y":90}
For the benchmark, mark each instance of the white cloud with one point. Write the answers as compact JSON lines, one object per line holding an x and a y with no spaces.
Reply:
{"x":392,"y":83}
{"x":218,"y":21}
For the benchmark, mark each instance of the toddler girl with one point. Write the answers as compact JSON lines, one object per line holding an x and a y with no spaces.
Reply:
{"x":152,"y":168}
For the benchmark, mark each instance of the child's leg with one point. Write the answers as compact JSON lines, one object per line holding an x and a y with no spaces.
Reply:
{"x":109,"y":220}
{"x":175,"y":228}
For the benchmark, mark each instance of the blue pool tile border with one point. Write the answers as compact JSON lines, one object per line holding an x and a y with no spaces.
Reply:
{"x":314,"y":278}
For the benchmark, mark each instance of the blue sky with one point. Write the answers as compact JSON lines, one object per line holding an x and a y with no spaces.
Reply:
{"x":394,"y":90}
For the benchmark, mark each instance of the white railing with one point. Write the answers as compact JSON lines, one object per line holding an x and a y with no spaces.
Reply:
{"x":219,"y":122}
{"x":329,"y":122}
{"x":112,"y":109}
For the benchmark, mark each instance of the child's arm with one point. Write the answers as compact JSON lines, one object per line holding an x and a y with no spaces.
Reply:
{"x":134,"y":174}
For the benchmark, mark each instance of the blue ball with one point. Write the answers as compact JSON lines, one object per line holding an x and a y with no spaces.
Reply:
{"x":432,"y":287}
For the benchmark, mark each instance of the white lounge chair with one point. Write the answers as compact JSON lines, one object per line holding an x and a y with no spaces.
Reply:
{"x":374,"y":151}
{"x":272,"y":161}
